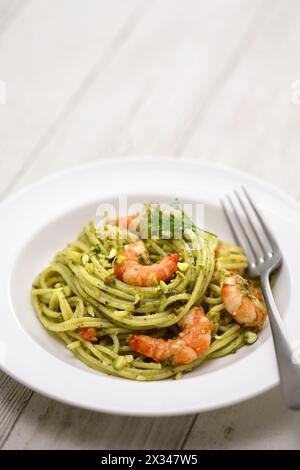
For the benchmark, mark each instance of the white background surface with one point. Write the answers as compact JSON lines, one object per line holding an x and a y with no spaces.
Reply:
{"x":93,"y":79}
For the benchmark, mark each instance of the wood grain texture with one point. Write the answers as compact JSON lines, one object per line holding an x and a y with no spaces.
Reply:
{"x":47,"y":424}
{"x":151,"y":85}
{"x":261,"y":423}
{"x":209,"y":79}
{"x":252,"y":113}
{"x":13,"y":399}
{"x":46,"y":73}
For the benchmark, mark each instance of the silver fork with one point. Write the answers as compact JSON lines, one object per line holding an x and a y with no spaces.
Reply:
{"x":265,"y":256}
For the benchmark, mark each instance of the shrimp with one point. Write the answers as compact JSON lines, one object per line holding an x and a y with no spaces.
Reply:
{"x":193,"y":341}
{"x":227,"y":256}
{"x":88,"y":334}
{"x":222,"y":249}
{"x":125,"y":222}
{"x":243,"y":301}
{"x":128,"y":268}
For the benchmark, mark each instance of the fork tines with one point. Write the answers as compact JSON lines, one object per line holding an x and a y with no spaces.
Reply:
{"x":251,"y":232}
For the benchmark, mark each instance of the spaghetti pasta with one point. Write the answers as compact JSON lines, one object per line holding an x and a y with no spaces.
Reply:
{"x":79,"y":292}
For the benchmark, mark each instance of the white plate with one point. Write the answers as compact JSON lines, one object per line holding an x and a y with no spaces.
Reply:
{"x":41,"y":219}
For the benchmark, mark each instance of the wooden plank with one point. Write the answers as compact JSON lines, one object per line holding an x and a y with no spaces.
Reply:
{"x":252,"y":122}
{"x":14,"y":396}
{"x":48,"y":56}
{"x":257,"y":117}
{"x":261,"y":423}
{"x":146,"y":94}
{"x":13,"y":399}
{"x":46,"y":424}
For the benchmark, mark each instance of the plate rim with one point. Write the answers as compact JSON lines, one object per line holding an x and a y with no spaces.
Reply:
{"x":287,"y":199}
{"x":148,"y":158}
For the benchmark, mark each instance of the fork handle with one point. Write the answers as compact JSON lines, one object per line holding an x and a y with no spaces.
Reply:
{"x":288,"y":363}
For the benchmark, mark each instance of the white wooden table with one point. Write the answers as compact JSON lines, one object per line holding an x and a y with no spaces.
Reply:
{"x":92,"y":79}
